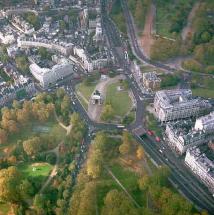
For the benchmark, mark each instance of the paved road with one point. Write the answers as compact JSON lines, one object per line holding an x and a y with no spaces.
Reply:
{"x":184,"y":180}
{"x":181,"y":176}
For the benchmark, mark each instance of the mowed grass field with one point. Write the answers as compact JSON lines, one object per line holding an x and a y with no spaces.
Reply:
{"x":37,"y":171}
{"x":86,"y":91}
{"x":120,"y":100}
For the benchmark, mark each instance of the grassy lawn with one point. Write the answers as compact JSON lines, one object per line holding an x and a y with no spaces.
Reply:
{"x":202,"y":86}
{"x":37,"y":171}
{"x":51,"y":127}
{"x":120,"y":100}
{"x":128,"y":179}
{"x":83,"y":102}
{"x":147,"y":68}
{"x":207,"y":93}
{"x":86,"y":90}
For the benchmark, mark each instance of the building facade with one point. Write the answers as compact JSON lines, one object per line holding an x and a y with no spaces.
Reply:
{"x":201,"y":165}
{"x":48,"y":77}
{"x":183,"y":135}
{"x":151,"y":81}
{"x":178,"y":104}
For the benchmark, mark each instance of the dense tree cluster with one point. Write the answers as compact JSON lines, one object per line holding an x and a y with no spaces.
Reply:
{"x":117,"y":15}
{"x":117,"y":203}
{"x":108,"y":113}
{"x":139,"y":10}
{"x":101,"y":150}
{"x":22,"y":63}
{"x":33,"y":19}
{"x":166,"y":201}
{"x":13,"y":188}
{"x":164,"y":49}
{"x":181,"y":11}
{"x":169,"y":80}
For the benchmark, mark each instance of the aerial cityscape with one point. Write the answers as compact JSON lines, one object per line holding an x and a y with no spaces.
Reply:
{"x":107,"y":107}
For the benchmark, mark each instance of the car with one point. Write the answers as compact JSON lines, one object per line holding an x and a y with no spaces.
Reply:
{"x":150,"y":133}
{"x":160,"y":151}
{"x":157,"y":139}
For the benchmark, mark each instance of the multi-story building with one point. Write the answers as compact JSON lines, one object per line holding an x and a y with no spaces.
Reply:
{"x":201,"y":165}
{"x":183,"y":135}
{"x":20,"y":24}
{"x":205,"y":123}
{"x":178,"y":104}
{"x":48,"y":77}
{"x":151,"y":80}
{"x":7,"y":38}
{"x":15,"y":91}
{"x":62,"y":47}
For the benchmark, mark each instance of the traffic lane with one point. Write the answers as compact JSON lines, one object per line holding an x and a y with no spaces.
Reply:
{"x":180,"y":168}
{"x":176,"y":176}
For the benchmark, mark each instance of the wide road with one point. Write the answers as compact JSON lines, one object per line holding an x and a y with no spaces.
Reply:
{"x":181,"y":176}
{"x":134,"y":40}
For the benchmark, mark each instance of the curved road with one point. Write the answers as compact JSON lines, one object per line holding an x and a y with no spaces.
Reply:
{"x":181,"y":176}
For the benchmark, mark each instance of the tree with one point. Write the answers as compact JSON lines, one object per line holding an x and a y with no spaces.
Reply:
{"x":65,"y":105}
{"x":163,"y":49}
{"x":43,"y":53}
{"x":192,"y":65}
{"x":16,"y":104}
{"x":32,"y":146}
{"x":108,"y":113}
{"x":22,"y":63}
{"x":3,"y":136}
{"x":78,"y":127}
{"x":60,"y":93}
{"x":140,"y":152}
{"x":144,"y":182}
{"x":94,"y":166}
{"x":39,"y":202}
{"x":10,"y":180}
{"x":26,"y":189}
{"x":117,"y":203}
{"x":124,"y":148}
{"x":88,"y":199}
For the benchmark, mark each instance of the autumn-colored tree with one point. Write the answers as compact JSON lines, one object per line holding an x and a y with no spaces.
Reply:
{"x":125,"y":148}
{"x":32,"y":146}
{"x":10,"y":180}
{"x":88,"y":199}
{"x":3,"y":136}
{"x":78,"y":127}
{"x":140,"y":152}
{"x":117,"y":203}
{"x":108,"y":113}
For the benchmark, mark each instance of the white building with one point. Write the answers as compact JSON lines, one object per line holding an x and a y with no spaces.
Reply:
{"x":181,"y":135}
{"x":201,"y":165}
{"x":20,"y":24}
{"x":62,"y":47}
{"x":99,"y":32}
{"x":178,"y":104}
{"x":47,"y":76}
{"x":7,"y":38}
{"x":205,"y":123}
{"x":84,"y":58}
{"x":151,"y":80}
{"x":96,"y":98}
